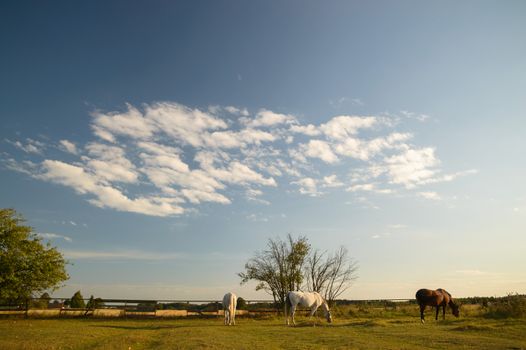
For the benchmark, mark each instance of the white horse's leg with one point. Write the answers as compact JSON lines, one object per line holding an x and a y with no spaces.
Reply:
{"x":292,"y":312}
{"x":312,"y":312}
{"x":225,"y":316}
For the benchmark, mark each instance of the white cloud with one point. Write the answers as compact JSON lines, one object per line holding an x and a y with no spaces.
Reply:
{"x":430,"y":195}
{"x":161,"y":156}
{"x":235,"y":172}
{"x":30,"y":146}
{"x":254,"y":194}
{"x":104,"y":195}
{"x":412,"y":167}
{"x":361,"y":187}
{"x":416,"y":116}
{"x":68,"y":146}
{"x":110,"y":163}
{"x":449,"y":177}
{"x":54,"y":236}
{"x":341,"y":127}
{"x":265,"y":118}
{"x":26,"y":167}
{"x":332,"y":181}
{"x":198,"y":196}
{"x":369,"y":187}
{"x":309,"y":130}
{"x":366,"y":149}
{"x":237,"y":111}
{"x":166,"y":158}
{"x":120,"y":255}
{"x":129,"y":123}
{"x":307,"y":186}
{"x":233,"y":139}
{"x":189,"y":126}
{"x":319,"y":149}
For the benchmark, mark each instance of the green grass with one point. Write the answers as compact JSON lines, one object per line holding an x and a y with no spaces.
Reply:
{"x":370,"y":332}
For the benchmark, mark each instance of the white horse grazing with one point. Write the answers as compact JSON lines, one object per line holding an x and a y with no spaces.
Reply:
{"x":312,"y":300}
{"x":229,"y":306}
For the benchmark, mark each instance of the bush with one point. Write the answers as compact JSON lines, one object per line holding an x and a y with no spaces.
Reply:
{"x":42,"y":302}
{"x":513,"y":305}
{"x":94,"y":303}
{"x":147,"y":307}
{"x":241,"y":303}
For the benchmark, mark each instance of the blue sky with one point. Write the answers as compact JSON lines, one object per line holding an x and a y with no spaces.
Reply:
{"x":160,"y":144}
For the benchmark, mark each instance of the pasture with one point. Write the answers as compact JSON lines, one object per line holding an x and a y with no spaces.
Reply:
{"x":353,"y":328}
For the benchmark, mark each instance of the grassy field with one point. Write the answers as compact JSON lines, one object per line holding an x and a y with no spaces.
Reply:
{"x":378,"y":330}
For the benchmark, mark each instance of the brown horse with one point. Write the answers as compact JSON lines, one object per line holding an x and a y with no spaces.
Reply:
{"x":436,"y":298}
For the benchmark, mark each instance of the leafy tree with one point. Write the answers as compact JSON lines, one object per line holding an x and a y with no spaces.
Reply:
{"x":27,"y":266}
{"x":279,"y":268}
{"x":77,"y":301}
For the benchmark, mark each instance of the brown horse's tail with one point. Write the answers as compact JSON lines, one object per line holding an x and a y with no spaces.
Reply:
{"x":419,"y":296}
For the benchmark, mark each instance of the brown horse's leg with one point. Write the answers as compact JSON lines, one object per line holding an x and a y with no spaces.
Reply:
{"x":436,"y":316}
{"x":444,"y":312}
{"x":422,"y":308}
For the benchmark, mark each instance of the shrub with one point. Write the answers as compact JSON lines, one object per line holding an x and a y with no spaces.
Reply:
{"x":241,"y":303}
{"x":513,"y":305}
{"x":42,"y":302}
{"x":94,"y":303}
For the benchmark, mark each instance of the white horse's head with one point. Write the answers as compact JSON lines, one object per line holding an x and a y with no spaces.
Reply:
{"x":328,"y":315}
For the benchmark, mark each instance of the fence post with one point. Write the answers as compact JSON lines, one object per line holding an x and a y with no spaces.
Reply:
{"x":27,"y":308}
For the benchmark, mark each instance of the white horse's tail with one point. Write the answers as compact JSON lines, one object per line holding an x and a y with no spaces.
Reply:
{"x":232,"y":307}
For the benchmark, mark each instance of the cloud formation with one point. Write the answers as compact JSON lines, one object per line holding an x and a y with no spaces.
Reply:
{"x":165,"y":158}
{"x":53,"y":236}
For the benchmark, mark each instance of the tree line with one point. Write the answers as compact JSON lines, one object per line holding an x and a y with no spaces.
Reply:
{"x":30,"y":267}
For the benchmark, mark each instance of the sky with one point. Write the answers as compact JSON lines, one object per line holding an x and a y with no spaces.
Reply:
{"x":160,"y":144}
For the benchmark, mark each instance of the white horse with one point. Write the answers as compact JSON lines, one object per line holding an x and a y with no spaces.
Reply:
{"x":229,"y":307}
{"x":312,"y":300}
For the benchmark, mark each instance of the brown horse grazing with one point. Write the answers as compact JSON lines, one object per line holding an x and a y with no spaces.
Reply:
{"x":437,"y":298}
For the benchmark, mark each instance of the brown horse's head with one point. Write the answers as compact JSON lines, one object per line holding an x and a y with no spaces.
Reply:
{"x":455,"y":309}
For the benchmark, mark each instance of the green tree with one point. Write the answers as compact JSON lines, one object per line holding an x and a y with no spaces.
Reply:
{"x":77,"y":301}
{"x":279,"y":268}
{"x":27,"y":266}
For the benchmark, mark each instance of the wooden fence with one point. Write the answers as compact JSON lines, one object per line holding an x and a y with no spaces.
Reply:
{"x":151,"y":308}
